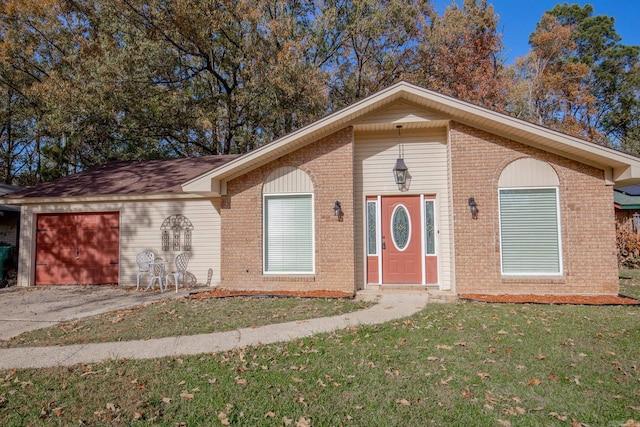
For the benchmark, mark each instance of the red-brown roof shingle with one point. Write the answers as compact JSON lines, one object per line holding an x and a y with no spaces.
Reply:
{"x":127,"y":177}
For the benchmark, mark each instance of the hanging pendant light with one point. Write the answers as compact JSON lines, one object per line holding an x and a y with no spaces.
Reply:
{"x":400,"y":169}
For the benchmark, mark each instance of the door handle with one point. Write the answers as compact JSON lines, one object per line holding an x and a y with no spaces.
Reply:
{"x":384,"y":245}
{"x":77,"y":253}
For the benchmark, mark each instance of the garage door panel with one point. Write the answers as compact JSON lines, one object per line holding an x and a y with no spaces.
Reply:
{"x":80,"y":248}
{"x":54,"y":275}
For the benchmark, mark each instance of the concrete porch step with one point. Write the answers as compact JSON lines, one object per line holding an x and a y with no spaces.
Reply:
{"x":435,"y":295}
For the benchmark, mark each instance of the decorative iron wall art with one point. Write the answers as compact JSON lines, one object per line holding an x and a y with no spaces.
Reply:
{"x":176,"y":233}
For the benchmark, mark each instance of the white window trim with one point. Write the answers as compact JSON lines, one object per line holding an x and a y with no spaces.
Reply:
{"x":559,"y":228}
{"x":377,"y":243}
{"x":435,"y":227}
{"x":264,"y":236}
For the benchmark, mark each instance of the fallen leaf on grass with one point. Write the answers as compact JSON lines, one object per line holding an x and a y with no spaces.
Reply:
{"x":302,"y":422}
{"x":270,"y":414}
{"x":166,"y":399}
{"x":558,"y":416}
{"x":403,"y":402}
{"x":484,"y":375}
{"x":443,"y":347}
{"x":504,"y":423}
{"x":631,"y":423}
{"x":534,"y":381}
{"x":514,"y":411}
{"x":223,"y":419}
{"x":186,"y":395}
{"x":445,"y":382}
{"x":287,"y":421}
{"x":241,"y":381}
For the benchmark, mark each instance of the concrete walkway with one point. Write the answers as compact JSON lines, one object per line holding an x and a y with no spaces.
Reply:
{"x":390,"y":306}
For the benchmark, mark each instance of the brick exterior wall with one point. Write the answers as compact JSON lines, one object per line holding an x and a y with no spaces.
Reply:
{"x":586,"y":211}
{"x":329,"y":164}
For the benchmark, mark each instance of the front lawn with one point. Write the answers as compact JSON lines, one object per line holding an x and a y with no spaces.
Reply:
{"x":451,"y":364}
{"x":183,"y":317}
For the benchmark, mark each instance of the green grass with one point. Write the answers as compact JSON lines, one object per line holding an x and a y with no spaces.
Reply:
{"x":183,"y":317}
{"x":456,"y":364}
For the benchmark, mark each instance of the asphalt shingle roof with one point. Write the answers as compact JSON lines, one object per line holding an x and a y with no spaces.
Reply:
{"x":127,"y":178}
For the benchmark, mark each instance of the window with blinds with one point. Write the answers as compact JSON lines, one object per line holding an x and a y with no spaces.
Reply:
{"x":530,"y":231}
{"x":288,"y":234}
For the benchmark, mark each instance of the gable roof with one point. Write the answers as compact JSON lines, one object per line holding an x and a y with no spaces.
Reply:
{"x":619,"y":168}
{"x":126,"y":178}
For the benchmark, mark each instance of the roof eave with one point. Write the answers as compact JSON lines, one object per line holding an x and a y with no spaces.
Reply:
{"x":105,"y":198}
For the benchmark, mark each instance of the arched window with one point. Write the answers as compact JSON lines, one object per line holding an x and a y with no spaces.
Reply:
{"x":288,"y":238}
{"x":176,"y":233}
{"x":530,"y":238}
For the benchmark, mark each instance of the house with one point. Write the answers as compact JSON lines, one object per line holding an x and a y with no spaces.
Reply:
{"x":406,"y":188}
{"x":9,"y":218}
{"x":626,"y":201}
{"x":88,"y":227}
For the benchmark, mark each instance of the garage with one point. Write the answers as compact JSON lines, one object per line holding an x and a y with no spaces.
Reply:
{"x":77,"y":248}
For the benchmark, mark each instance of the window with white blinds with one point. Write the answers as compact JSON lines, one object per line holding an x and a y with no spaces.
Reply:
{"x":288,"y":234}
{"x":530,"y":231}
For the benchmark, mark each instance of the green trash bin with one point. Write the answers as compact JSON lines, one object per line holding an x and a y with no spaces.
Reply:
{"x":4,"y":255}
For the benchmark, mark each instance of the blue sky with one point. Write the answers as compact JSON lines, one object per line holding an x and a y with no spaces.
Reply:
{"x":518,"y":19}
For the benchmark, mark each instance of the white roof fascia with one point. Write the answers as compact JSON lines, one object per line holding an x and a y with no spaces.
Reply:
{"x":106,"y":198}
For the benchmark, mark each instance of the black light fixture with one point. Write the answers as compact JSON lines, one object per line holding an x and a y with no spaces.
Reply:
{"x":337,"y":210}
{"x":473,"y":207}
{"x":400,"y":169}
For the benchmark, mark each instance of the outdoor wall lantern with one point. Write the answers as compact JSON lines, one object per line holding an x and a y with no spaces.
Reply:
{"x":400,"y":170}
{"x":473,"y":207}
{"x":636,"y":221}
{"x":337,"y":210}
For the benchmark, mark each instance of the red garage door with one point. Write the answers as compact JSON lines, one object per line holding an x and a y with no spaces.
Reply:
{"x":79,"y":248}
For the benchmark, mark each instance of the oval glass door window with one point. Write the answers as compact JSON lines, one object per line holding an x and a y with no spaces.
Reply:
{"x":400,"y":227}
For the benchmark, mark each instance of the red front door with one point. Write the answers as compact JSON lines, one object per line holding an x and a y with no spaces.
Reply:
{"x":401,"y":243}
{"x":81,"y":248}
